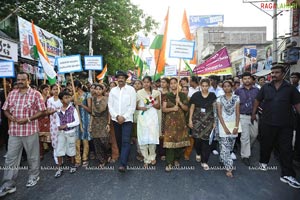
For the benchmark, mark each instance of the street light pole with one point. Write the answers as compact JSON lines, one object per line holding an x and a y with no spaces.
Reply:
{"x":90,"y":79}
{"x":275,"y":49}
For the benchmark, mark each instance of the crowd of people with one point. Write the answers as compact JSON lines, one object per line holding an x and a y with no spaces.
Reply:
{"x":165,"y":119}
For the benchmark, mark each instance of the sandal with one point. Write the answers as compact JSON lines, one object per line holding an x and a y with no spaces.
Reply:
{"x":153,"y":162}
{"x":168,"y":168}
{"x":176,"y":163}
{"x":102,"y":165}
{"x":146,"y":165}
{"x":73,"y":169}
{"x":85,"y":163}
{"x":229,"y":174}
{"x":58,"y":173}
{"x":77,"y":165}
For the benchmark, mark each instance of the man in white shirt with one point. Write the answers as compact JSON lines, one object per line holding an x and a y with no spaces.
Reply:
{"x":194,"y":86}
{"x":122,"y":104}
{"x":214,"y":86}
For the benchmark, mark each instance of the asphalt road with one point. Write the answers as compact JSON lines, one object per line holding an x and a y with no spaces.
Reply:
{"x":189,"y":182}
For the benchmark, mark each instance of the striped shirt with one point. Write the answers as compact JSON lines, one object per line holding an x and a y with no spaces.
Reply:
{"x":24,"y":106}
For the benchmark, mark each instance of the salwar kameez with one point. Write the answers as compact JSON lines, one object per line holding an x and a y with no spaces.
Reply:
{"x":82,"y":132}
{"x":226,"y":145}
{"x":147,"y":126}
{"x":176,"y":131}
{"x":226,"y":141}
{"x":101,"y":136}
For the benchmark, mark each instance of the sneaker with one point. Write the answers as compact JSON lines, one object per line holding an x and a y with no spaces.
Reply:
{"x":291,"y":181}
{"x":205,"y":166}
{"x":246,"y":161}
{"x":233,"y":156}
{"x":58,"y":173}
{"x":32,"y":182}
{"x":263,"y":166}
{"x":198,"y":158}
{"x":73,"y":169}
{"x":215,"y":152}
{"x":7,"y":190}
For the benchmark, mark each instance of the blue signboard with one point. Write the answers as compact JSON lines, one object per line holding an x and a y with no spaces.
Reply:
{"x":197,"y":21}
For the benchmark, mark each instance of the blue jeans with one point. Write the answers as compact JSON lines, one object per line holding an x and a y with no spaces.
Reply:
{"x":123,"y":134}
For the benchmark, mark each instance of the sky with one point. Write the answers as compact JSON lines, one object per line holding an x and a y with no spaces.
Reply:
{"x":236,"y":13}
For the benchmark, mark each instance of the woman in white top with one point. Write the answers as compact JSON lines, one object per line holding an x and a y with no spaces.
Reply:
{"x":228,"y":106}
{"x":148,"y":104}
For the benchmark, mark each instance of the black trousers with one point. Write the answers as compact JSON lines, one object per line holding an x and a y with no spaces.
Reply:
{"x":202,"y":148}
{"x":297,"y":142}
{"x":283,"y":136}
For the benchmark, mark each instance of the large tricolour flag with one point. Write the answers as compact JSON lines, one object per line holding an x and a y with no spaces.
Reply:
{"x":187,"y":33}
{"x":159,"y":44}
{"x":48,"y":69}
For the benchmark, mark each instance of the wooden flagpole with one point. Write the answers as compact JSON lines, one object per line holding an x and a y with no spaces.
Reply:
{"x":75,"y":99}
{"x":179,"y":71}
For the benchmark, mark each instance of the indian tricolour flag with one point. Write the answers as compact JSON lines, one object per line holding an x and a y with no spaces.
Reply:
{"x":102,"y":74}
{"x":48,"y":69}
{"x":159,"y":44}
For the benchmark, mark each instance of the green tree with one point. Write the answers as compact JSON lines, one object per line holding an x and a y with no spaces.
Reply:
{"x":115,"y":25}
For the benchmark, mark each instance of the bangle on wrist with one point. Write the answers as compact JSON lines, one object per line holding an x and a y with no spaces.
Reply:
{"x":28,"y":119}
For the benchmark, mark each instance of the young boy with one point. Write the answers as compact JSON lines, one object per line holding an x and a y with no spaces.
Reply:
{"x":67,"y":121}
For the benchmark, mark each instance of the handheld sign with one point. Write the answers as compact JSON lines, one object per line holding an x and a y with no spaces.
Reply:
{"x":68,"y":64}
{"x":93,"y":62}
{"x":182,"y":49}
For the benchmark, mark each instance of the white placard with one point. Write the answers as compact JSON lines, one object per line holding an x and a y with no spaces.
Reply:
{"x":93,"y":62}
{"x":7,"y":69}
{"x":69,"y":64}
{"x":170,"y":70}
{"x":8,"y":50}
{"x":182,"y":49}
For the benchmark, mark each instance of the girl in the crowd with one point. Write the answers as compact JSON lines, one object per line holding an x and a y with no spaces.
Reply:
{"x":202,"y":121}
{"x":138,"y":85}
{"x":176,"y":132}
{"x":91,"y":143}
{"x":83,"y":101}
{"x":165,"y":84}
{"x":101,"y":126}
{"x":112,"y":84}
{"x":228,"y":107}
{"x":53,"y":105}
{"x":148,"y":104}
{"x":44,"y":123}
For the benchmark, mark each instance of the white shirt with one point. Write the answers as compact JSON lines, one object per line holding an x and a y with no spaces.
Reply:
{"x":192,"y":91}
{"x":218,"y":91}
{"x":122,"y":102}
{"x":72,"y":124}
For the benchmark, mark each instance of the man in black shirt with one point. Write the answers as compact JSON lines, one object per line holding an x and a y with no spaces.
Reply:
{"x":279,"y":98}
